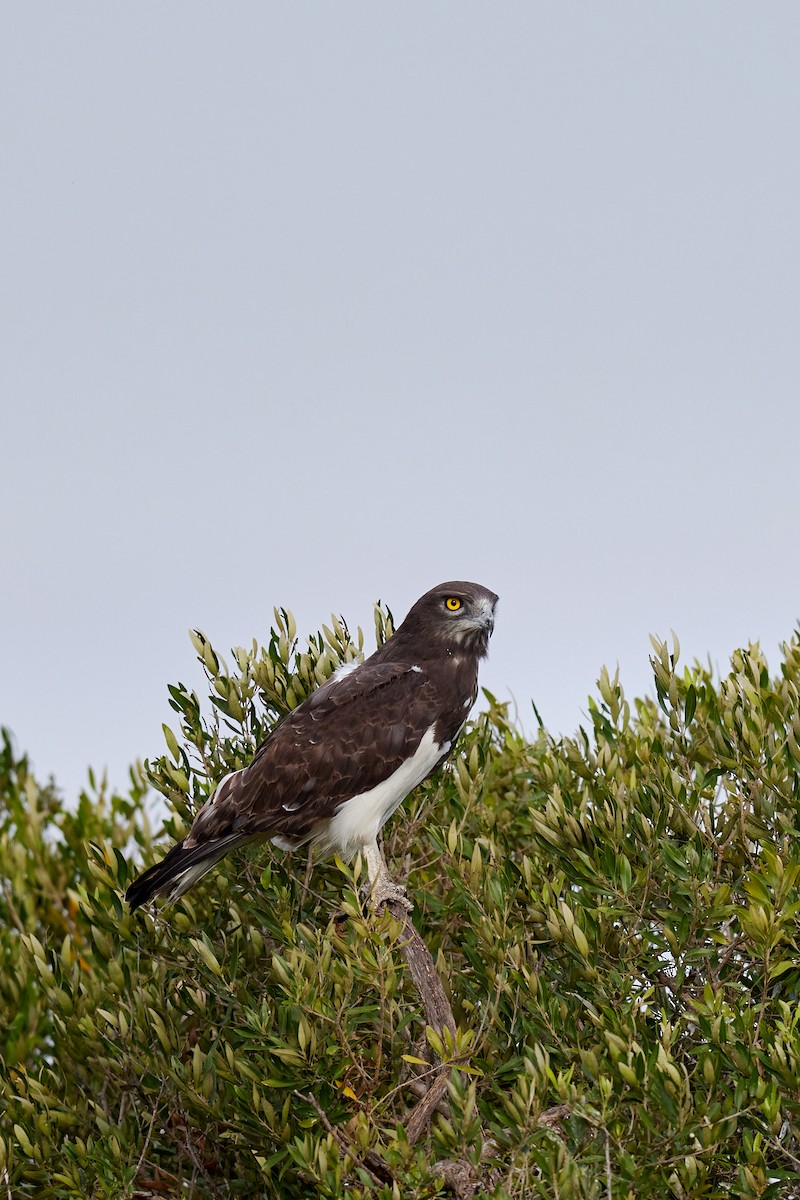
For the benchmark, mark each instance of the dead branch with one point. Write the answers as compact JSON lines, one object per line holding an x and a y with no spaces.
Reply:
{"x":438,"y":1014}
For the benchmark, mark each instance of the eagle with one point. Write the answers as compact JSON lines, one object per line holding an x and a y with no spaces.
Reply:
{"x":333,"y":770}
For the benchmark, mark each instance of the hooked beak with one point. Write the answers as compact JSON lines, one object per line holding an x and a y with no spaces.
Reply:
{"x":485,"y":619}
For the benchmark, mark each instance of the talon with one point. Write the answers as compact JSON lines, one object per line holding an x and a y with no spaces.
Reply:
{"x":380,"y":888}
{"x":386,"y":891}
{"x":383,"y":892}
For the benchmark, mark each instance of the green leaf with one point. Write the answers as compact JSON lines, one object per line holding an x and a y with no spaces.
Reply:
{"x":625,"y":873}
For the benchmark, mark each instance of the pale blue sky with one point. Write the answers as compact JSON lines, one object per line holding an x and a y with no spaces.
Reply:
{"x":312,"y":304}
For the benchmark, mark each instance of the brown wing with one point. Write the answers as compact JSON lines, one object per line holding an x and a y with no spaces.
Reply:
{"x":347,"y":737}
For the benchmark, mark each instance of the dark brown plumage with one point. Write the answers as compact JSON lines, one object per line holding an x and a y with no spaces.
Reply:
{"x":336,"y":768}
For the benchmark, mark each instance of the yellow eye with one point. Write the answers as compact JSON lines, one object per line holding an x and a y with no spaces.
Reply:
{"x":453,"y":603}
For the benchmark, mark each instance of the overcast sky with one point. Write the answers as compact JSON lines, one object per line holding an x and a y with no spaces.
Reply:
{"x":312,"y":304}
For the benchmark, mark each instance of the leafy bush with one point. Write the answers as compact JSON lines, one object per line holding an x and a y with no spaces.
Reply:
{"x":614,"y":917}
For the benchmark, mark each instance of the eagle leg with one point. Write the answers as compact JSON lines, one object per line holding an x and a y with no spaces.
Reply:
{"x":381,"y":888}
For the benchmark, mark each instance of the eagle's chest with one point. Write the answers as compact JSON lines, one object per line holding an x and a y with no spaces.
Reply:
{"x":430,"y":723}
{"x":360,"y":819}
{"x":457,"y":684}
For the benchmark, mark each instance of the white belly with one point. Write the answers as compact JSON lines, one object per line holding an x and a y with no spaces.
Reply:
{"x":359,"y":820}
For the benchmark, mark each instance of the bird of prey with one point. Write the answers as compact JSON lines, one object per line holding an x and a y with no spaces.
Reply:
{"x":334,"y":769}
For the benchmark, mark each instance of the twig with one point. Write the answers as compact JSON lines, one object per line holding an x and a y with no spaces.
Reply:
{"x":307,"y":880}
{"x":372,"y":1162}
{"x":149,"y":1133}
{"x":608,"y":1166}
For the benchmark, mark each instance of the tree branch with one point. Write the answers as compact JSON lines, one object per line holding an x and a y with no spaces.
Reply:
{"x":438,"y":1014}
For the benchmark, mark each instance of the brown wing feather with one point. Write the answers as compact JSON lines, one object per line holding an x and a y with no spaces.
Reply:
{"x":349,"y":736}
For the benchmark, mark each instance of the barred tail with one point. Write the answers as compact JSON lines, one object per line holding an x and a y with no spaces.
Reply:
{"x":179,"y":870}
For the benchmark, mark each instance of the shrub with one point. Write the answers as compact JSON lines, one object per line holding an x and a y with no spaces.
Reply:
{"x":614,"y":917}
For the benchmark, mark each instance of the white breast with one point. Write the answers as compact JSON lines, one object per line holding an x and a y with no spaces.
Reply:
{"x":359,"y":820}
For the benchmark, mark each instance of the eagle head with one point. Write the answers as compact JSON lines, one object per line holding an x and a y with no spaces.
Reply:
{"x":457,"y":613}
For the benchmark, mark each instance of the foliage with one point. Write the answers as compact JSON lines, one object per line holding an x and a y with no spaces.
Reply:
{"x":614,"y":915}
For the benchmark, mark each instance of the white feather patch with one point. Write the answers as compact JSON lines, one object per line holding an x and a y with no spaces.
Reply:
{"x":221,"y":784}
{"x":344,"y":669}
{"x":360,"y":819}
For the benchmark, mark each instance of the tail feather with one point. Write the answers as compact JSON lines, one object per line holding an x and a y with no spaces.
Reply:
{"x":179,"y":870}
